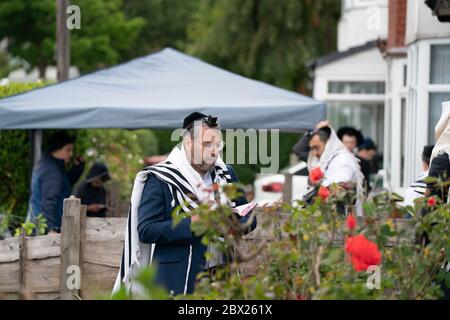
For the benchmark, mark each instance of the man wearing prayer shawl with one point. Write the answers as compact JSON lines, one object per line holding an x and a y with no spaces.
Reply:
{"x":182,"y":180}
{"x":322,"y":149}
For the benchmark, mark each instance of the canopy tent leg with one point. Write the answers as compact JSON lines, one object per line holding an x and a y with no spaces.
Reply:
{"x":35,"y":146}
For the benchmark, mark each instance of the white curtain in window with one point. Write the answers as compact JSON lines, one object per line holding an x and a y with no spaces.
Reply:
{"x":440,"y":64}
{"x":434,"y":111}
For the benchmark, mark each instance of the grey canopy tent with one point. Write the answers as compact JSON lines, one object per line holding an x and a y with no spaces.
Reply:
{"x":158,"y":91}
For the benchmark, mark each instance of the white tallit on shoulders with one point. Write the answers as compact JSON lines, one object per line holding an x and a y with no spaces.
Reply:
{"x":336,"y":151}
{"x":183,"y":182}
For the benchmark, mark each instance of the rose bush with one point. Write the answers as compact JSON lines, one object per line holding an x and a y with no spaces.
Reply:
{"x":314,"y":252}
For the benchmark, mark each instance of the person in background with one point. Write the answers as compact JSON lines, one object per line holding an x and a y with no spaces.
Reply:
{"x":417,"y":188}
{"x":350,"y":137}
{"x":367,"y":151}
{"x":51,"y":183}
{"x":321,"y":148}
{"x":92,"y":191}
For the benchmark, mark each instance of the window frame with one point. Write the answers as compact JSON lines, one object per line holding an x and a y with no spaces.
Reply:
{"x":375,"y":82}
{"x":432,"y":87}
{"x":419,"y":89}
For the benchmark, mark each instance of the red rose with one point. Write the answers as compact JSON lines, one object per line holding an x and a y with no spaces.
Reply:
{"x":432,"y":201}
{"x":324,"y":193}
{"x":316,"y":175}
{"x":351,"y":222}
{"x":363,"y":253}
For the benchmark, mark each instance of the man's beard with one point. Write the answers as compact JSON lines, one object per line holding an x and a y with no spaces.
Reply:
{"x":206,"y":164}
{"x":202,"y":161}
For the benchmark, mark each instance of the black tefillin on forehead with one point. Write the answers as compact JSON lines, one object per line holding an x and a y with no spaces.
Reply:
{"x":211,"y":121}
{"x":197,"y":116}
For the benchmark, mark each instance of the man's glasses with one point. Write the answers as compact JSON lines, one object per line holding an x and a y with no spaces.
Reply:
{"x":210,"y":145}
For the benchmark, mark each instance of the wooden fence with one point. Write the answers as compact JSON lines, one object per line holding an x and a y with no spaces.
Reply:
{"x":81,"y":262}
{"x":45,"y":267}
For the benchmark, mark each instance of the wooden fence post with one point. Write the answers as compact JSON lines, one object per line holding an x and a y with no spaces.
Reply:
{"x":83,"y":221}
{"x":113,"y":197}
{"x":287,"y":188}
{"x":70,"y":272}
{"x":23,"y":256}
{"x":117,"y":206}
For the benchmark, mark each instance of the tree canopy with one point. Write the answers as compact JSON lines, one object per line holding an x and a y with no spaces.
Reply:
{"x":268,"y":40}
{"x":105,"y":36}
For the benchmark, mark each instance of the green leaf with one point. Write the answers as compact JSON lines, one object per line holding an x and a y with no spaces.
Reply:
{"x":447,"y":279}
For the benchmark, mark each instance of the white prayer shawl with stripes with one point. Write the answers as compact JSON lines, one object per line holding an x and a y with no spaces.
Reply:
{"x":181,"y":179}
{"x":416,"y":190}
{"x":332,"y":150}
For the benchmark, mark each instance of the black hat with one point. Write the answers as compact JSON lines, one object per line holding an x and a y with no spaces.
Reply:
{"x":195,"y":116}
{"x":98,"y":170}
{"x":350,"y":131}
{"x":426,"y":153}
{"x":367,"y":144}
{"x":58,"y":140}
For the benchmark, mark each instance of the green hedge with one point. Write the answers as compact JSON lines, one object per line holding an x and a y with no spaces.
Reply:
{"x":15,"y":166}
{"x":122,"y":150}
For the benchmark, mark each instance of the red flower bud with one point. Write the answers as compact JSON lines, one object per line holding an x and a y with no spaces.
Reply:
{"x":351,"y":222}
{"x":324,"y":193}
{"x":316,"y":175}
{"x":432,"y":201}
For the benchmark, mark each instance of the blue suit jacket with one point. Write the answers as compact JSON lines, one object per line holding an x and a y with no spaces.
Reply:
{"x":50,"y":185}
{"x":173,"y":245}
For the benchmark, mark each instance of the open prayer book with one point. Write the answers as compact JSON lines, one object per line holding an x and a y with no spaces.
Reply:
{"x":244,"y":209}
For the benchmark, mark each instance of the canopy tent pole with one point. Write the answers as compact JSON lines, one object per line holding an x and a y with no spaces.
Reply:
{"x":63,"y":62}
{"x":35,"y":146}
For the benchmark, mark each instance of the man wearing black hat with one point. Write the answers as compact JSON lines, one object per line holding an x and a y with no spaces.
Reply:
{"x":92,"y":191}
{"x":50,"y":183}
{"x":350,"y":137}
{"x":185,"y":180}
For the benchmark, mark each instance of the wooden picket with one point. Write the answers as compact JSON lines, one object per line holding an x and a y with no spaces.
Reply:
{"x":41,"y":267}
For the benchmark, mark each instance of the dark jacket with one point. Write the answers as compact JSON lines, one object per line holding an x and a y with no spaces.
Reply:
{"x":366,"y":171}
{"x":439,"y":168}
{"x":91,"y":195}
{"x":50,"y":184}
{"x":301,"y":148}
{"x":173,"y":245}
